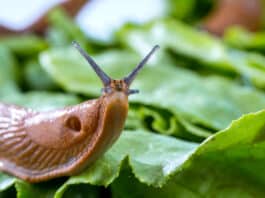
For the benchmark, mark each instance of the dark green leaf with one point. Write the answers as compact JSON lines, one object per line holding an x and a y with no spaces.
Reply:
{"x":36,"y":77}
{"x":42,"y":190}
{"x":82,"y":191}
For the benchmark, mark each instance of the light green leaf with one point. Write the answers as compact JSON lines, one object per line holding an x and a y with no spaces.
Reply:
{"x":42,"y":190}
{"x":211,"y":102}
{"x":24,"y":45}
{"x":41,"y":101}
{"x":204,"y":48}
{"x":241,"y":38}
{"x":63,"y":24}
{"x":180,"y":9}
{"x":6,"y":181}
{"x":152,"y":157}
{"x":228,"y":163}
{"x":8,"y":71}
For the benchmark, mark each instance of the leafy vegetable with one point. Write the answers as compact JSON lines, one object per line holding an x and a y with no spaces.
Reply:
{"x":179,"y":91}
{"x":180,"y":9}
{"x":241,"y":38}
{"x":62,"y":24}
{"x":24,"y":44}
{"x":8,"y":72}
{"x":6,"y":181}
{"x":200,"y":46}
{"x":189,"y":10}
{"x":36,"y":78}
{"x":25,"y":190}
{"x":241,"y":142}
{"x":48,"y":100}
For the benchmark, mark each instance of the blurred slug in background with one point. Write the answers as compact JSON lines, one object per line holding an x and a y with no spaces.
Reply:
{"x":37,"y":146}
{"x":245,"y":13}
{"x":35,"y":19}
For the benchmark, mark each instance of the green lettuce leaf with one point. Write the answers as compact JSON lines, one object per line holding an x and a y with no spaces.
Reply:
{"x":40,"y":100}
{"x":241,"y":38}
{"x":141,"y":149}
{"x":200,"y":46}
{"x":200,"y":180}
{"x":6,"y":181}
{"x":24,"y":45}
{"x":8,"y":71}
{"x":164,"y":122}
{"x":180,"y":9}
{"x":228,"y":163}
{"x":42,"y":190}
{"x":62,"y":24}
{"x":209,"y":102}
{"x":36,"y":78}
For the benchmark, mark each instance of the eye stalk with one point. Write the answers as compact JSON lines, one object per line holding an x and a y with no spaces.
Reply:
{"x":101,"y":74}
{"x":116,"y":85}
{"x":129,"y":79}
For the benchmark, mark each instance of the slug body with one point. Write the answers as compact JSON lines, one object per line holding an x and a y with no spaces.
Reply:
{"x":38,"y":146}
{"x":227,"y":13}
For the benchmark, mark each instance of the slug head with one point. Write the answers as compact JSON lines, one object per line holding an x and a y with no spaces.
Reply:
{"x":111,"y":85}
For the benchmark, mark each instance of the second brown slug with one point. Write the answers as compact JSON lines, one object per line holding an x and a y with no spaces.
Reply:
{"x":227,"y":13}
{"x":38,"y":146}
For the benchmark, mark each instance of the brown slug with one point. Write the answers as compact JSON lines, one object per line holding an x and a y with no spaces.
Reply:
{"x":38,"y":146}
{"x":227,"y":13}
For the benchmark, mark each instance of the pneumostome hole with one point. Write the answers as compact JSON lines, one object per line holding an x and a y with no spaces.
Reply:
{"x":73,"y":123}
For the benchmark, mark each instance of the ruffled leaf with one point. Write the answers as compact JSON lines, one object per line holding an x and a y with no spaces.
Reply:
{"x":224,"y":163}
